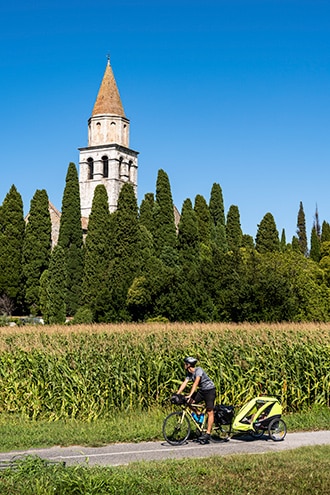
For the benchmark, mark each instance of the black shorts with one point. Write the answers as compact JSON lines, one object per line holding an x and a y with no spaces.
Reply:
{"x":208,"y":396}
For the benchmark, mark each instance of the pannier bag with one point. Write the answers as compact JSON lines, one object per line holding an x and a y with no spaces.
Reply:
{"x":223,"y":415}
{"x":178,"y":399}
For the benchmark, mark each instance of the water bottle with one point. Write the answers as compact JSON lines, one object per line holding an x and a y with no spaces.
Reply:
{"x":195,"y":416}
{"x":201,"y":418}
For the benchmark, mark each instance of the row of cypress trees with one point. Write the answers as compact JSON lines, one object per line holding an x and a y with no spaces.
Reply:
{"x":137,"y":263}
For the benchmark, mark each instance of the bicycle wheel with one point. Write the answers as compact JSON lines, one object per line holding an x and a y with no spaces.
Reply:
{"x":277,"y":429}
{"x":221,"y":433}
{"x":176,"y":428}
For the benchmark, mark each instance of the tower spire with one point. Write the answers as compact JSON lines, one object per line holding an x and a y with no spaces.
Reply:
{"x":107,"y":159}
{"x":108,"y":99}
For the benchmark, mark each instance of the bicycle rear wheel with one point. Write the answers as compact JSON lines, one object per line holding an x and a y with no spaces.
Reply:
{"x":176,"y":428}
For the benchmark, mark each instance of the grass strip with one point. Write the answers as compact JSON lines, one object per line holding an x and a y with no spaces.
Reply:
{"x":298,"y":472}
{"x":19,"y":433}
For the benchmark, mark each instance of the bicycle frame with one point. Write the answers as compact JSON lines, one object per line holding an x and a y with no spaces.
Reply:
{"x":187,"y":410}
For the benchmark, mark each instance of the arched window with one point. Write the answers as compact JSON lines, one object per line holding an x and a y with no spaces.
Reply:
{"x":105,"y":162}
{"x":90,"y":162}
{"x":120,"y":167}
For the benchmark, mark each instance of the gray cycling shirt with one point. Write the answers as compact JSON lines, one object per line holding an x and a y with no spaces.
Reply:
{"x":205,"y":382}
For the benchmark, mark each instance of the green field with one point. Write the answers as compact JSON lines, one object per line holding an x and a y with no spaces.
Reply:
{"x":90,"y":372}
{"x":93,"y":385}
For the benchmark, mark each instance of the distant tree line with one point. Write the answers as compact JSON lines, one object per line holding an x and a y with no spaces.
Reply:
{"x":136,"y":264}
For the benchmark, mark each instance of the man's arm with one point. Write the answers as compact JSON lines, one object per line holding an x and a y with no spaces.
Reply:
{"x":183,"y":386}
{"x":194,"y":387}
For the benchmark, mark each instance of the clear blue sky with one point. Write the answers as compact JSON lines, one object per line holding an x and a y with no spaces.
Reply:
{"x":228,"y":91}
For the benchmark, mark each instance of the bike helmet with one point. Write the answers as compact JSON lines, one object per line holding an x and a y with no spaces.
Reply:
{"x":190,"y":360}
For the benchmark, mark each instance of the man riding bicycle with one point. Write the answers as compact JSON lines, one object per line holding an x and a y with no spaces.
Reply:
{"x":203,"y":389}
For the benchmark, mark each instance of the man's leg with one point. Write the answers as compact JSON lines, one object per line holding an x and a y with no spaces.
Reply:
{"x":210,"y":421}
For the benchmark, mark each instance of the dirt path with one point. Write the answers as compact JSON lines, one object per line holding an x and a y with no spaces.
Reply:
{"x":125,"y":453}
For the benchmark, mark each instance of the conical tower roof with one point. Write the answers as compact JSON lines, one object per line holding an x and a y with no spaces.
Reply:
{"x":108,"y":99}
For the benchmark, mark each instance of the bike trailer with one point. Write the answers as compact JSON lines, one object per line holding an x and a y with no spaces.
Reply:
{"x":260,"y":410}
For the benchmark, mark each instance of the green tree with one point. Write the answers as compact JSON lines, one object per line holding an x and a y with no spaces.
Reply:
{"x":283,"y":241}
{"x":36,"y":248}
{"x":233,"y":228}
{"x":164,"y":230}
{"x":301,"y":230}
{"x":146,"y":211}
{"x":315,"y":252}
{"x":295,"y":244}
{"x":247,"y":241}
{"x":188,"y":235}
{"x":56,"y":287}
{"x":127,"y":259}
{"x":71,"y":239}
{"x":44,"y":296}
{"x":12,"y":227}
{"x":216,"y":206}
{"x":97,"y":250}
{"x":316,"y":223}
{"x":267,"y":235}
{"x":325,"y":235}
{"x":204,"y":221}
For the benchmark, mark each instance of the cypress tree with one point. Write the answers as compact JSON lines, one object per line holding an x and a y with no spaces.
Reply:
{"x":315,"y":252}
{"x":203,"y":219}
{"x":97,"y":249}
{"x":233,"y":229}
{"x":127,"y":258}
{"x":220,"y":238}
{"x":217,"y":212}
{"x":44,"y":296}
{"x":216,"y":206}
{"x":283,"y":241}
{"x":301,"y":230}
{"x":267,"y":239}
{"x":325,"y":235}
{"x":188,"y":236}
{"x":71,"y":239}
{"x":317,"y":223}
{"x":164,"y":230}
{"x":36,"y":248}
{"x":146,"y":211}
{"x":126,"y":230}
{"x":295,"y":244}
{"x":12,"y":227}
{"x":56,"y":287}
{"x":247,"y":241}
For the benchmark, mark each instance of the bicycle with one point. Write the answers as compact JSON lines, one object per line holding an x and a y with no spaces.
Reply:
{"x":177,"y":425}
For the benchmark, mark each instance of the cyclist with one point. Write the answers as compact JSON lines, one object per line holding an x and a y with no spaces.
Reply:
{"x":203,"y":389}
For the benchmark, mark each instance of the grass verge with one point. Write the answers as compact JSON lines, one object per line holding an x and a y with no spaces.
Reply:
{"x":18,"y":433}
{"x":298,"y":472}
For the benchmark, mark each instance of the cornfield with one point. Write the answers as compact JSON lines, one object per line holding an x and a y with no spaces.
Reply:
{"x":90,"y":371}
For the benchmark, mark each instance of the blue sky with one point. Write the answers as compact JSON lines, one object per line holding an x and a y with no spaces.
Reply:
{"x":228,"y":91}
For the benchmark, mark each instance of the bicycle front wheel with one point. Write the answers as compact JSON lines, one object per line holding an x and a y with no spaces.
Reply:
{"x":176,"y":428}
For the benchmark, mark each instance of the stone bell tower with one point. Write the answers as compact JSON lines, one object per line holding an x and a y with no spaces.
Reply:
{"x":107,"y":159}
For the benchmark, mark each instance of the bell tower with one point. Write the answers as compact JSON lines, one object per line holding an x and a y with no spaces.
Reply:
{"x":107,"y":159}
